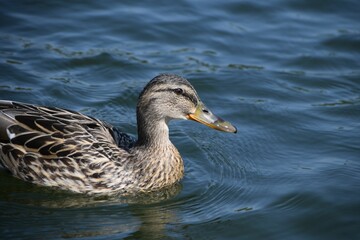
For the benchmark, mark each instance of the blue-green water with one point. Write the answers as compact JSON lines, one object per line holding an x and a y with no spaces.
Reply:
{"x":286,"y":73}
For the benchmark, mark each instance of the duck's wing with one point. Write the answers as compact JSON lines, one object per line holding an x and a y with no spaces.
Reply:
{"x":45,"y":144}
{"x":19,"y":119}
{"x":122,"y":139}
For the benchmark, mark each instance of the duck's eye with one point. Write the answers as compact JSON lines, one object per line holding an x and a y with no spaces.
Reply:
{"x":178,"y":91}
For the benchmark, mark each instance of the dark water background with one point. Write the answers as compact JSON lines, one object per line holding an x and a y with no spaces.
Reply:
{"x":286,"y":73}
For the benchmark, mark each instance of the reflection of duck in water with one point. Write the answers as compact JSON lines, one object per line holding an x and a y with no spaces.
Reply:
{"x":71,"y":151}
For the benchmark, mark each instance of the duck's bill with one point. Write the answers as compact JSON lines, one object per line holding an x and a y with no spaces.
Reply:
{"x":205,"y":116}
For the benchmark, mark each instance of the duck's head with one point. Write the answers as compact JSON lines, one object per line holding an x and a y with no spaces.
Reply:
{"x":169,"y":96}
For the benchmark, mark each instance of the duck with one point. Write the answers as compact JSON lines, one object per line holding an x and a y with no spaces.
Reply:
{"x":68,"y":150}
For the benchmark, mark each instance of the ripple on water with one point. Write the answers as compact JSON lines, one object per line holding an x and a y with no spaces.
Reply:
{"x":221,"y":174}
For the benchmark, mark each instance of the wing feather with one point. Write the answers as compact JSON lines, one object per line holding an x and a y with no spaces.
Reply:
{"x":58,"y":147}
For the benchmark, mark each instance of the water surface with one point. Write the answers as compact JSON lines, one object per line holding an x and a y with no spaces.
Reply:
{"x":286,"y":73}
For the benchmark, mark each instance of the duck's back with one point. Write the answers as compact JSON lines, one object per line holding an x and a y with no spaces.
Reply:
{"x":58,"y":147}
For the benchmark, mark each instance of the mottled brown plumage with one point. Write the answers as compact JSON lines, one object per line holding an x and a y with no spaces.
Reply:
{"x":68,"y":150}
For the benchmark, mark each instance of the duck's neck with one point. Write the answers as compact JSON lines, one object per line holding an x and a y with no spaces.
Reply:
{"x":153,"y":130}
{"x":158,"y":157}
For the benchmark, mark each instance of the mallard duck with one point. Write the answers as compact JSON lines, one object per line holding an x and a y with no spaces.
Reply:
{"x":68,"y":150}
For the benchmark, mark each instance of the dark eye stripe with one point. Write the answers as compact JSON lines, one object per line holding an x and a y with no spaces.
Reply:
{"x":191,"y":97}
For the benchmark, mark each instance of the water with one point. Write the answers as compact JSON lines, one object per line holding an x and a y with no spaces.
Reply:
{"x":286,"y":73}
